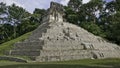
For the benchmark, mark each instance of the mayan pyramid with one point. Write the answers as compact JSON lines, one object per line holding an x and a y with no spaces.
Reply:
{"x":57,"y":40}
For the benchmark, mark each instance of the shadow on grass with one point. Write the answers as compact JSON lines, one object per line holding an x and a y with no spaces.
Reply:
{"x":51,"y":66}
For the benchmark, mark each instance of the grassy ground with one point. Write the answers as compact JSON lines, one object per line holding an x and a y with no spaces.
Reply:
{"x":8,"y":45}
{"x":104,"y":63}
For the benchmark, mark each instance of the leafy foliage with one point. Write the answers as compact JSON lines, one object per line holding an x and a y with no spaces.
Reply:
{"x":16,"y":21}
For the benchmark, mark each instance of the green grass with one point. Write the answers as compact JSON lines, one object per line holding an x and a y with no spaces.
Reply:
{"x":6,"y":63}
{"x":87,"y":63}
{"x":8,"y":45}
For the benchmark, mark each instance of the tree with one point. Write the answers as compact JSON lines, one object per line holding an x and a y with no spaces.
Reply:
{"x":109,"y":20}
{"x":2,"y":7}
{"x":16,"y":15}
{"x":32,"y":22}
{"x":75,"y":5}
{"x":71,"y":16}
{"x":6,"y":31}
{"x":92,"y":10}
{"x":10,"y":18}
{"x":93,"y":28}
{"x":38,"y":14}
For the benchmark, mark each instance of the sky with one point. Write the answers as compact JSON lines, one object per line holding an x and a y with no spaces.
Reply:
{"x":30,"y":5}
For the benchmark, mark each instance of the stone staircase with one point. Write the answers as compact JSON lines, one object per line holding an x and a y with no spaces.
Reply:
{"x":27,"y":49}
{"x":10,"y":58}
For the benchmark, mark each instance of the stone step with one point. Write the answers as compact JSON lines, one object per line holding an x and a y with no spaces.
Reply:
{"x":106,"y":53}
{"x":25,"y":52}
{"x":29,"y":45}
{"x":75,"y":55}
{"x":102,"y":54}
{"x":105,"y":46}
{"x":15,"y":59}
{"x":63,"y":57}
{"x":63,"y":52}
{"x":38,"y":32}
{"x":39,"y":43}
{"x":62,"y":48}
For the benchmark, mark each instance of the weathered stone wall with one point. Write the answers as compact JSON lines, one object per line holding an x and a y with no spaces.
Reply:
{"x":63,"y":55}
{"x":54,"y":13}
{"x":7,"y":58}
{"x":27,"y":49}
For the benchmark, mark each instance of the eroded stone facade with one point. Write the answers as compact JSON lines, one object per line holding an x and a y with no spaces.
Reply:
{"x":54,"y":13}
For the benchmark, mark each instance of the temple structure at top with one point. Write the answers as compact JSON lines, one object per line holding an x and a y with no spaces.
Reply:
{"x":54,"y":13}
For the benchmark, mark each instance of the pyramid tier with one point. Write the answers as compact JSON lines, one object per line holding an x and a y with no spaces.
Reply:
{"x":59,"y":41}
{"x":75,"y":55}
